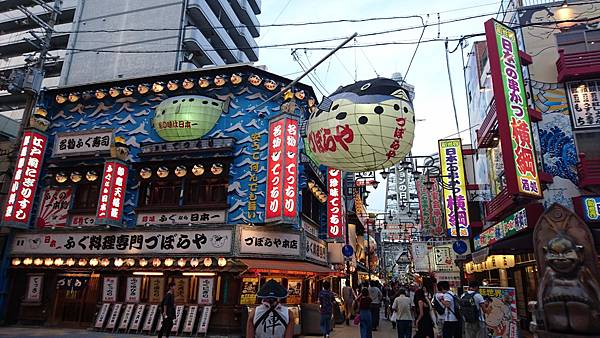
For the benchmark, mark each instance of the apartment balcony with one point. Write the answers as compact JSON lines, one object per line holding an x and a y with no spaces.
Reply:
{"x":245,"y":11}
{"x":16,"y":21}
{"x":588,"y":171}
{"x":15,"y":44}
{"x":577,"y":66}
{"x":235,"y":28}
{"x":488,"y":130}
{"x":204,"y":53}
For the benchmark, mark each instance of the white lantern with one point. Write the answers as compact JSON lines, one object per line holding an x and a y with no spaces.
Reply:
{"x":369,"y":126}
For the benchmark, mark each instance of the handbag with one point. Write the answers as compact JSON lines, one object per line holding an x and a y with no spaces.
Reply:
{"x":394,"y":316}
{"x":357,"y":319}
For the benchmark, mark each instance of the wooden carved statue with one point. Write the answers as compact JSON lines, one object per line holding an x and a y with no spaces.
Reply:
{"x":568,"y":298}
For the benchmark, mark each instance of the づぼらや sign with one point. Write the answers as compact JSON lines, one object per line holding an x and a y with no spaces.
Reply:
{"x":205,"y":291}
{"x":516,"y":139}
{"x":112,"y":192}
{"x":24,"y":182}
{"x":335,"y":204}
{"x":69,"y":144}
{"x":453,"y":175}
{"x":269,"y":243}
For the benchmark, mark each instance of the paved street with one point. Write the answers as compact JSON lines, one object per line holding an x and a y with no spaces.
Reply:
{"x":385,"y":331}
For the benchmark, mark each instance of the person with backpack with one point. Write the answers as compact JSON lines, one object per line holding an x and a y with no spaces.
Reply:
{"x":472,"y":309}
{"x":326,"y":302}
{"x":451,"y":328}
{"x":167,"y":311}
{"x":270,"y":319}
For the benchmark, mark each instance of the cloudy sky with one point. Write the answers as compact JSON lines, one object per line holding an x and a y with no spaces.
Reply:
{"x":428,"y":73}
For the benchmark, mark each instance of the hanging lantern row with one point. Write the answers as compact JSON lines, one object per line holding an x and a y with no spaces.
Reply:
{"x":173,"y":85}
{"x":491,"y":263}
{"x":319,"y":194}
{"x":119,"y":262}
{"x":75,"y":176}
{"x":181,"y":170}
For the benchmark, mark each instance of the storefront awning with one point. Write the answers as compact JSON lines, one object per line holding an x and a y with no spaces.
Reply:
{"x":288,"y":267}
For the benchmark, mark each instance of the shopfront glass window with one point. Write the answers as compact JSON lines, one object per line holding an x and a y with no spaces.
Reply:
{"x":497,"y":178}
{"x":86,"y":196}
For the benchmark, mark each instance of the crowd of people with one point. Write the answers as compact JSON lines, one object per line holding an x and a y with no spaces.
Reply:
{"x":428,"y":314}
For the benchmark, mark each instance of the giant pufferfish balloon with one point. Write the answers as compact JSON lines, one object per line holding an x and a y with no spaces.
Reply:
{"x":369,"y":126}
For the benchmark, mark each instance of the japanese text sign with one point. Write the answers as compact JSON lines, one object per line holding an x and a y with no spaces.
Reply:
{"x":109,"y":289}
{"x":24,"y":182}
{"x":430,"y":205}
{"x":68,"y":144}
{"x":316,"y":249}
{"x":54,"y":207}
{"x":112,"y":192}
{"x":249,"y":289}
{"x":205,"y":291}
{"x":335,"y":204}
{"x":282,"y":170}
{"x":181,"y":217}
{"x":134,"y":287}
{"x":591,"y":208}
{"x":453,"y":176}
{"x":513,"y":117}
{"x":503,"y":229}
{"x":131,"y":243}
{"x":269,"y":243}
{"x":584,"y":99}
{"x":35,"y":283}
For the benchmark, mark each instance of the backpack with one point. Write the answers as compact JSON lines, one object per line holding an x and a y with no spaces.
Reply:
{"x":438,"y":307}
{"x":468,"y":309}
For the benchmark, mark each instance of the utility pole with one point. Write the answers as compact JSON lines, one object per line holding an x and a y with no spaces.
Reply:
{"x":27,"y":81}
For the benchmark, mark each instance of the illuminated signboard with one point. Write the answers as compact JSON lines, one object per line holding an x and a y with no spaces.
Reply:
{"x":591,"y":208}
{"x":335,"y":213}
{"x":513,"y":119}
{"x":112,"y":193}
{"x":25,"y":179}
{"x":503,"y":229}
{"x":282,"y":170}
{"x":430,"y":205}
{"x":453,"y":172}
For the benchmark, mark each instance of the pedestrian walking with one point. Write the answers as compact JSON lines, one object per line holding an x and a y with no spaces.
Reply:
{"x":424,"y":323}
{"x":270,"y":319}
{"x":404,"y":316}
{"x":472,"y":309}
{"x":167,"y":311}
{"x":363,"y":304}
{"x":376,"y":298}
{"x":451,"y":328}
{"x":326,"y":301}
{"x":348,"y":296}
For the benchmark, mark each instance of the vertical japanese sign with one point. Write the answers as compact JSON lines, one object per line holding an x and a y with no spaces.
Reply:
{"x":157,"y":288}
{"x":253,"y":185}
{"x":134,"y":286}
{"x":24,"y":182}
{"x":205,"y":291}
{"x":430,"y":205}
{"x":513,"y":118}
{"x":453,"y":175}
{"x":335,"y":214}
{"x":282,"y":170}
{"x":249,"y":290}
{"x":34,"y":288}
{"x":182,"y":286}
{"x":112,"y":193}
{"x":54,"y":207}
{"x":109,"y":289}
{"x":294,"y":291}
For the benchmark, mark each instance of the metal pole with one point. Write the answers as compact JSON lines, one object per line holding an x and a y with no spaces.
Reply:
{"x":459,"y":262}
{"x":368,"y":251}
{"x":285,"y":89}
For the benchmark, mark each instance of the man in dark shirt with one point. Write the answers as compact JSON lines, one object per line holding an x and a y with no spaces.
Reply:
{"x":326,"y":302}
{"x":168,"y":311}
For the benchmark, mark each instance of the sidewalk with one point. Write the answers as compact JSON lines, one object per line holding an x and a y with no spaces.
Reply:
{"x":340,"y":331}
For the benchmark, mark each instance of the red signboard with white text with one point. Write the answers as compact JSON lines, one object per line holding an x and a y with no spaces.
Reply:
{"x":21,"y":194}
{"x":112,"y":193}
{"x":335,"y":205}
{"x":282,"y":170}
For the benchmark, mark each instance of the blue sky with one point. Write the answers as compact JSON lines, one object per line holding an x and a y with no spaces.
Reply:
{"x":428,"y":73}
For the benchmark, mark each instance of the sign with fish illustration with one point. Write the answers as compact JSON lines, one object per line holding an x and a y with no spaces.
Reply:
{"x":368,"y":125}
{"x":186,"y":116}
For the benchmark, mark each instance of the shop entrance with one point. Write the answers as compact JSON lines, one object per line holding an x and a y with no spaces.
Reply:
{"x":75,"y":300}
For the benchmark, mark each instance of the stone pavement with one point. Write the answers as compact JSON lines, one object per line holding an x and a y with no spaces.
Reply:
{"x":340,"y":331}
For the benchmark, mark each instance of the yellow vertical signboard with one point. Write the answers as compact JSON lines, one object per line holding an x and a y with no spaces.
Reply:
{"x":453,"y":175}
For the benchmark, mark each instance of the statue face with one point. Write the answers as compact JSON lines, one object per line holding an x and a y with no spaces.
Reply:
{"x":563,"y":255}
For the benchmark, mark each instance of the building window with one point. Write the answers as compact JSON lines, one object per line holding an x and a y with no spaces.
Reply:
{"x":205,"y":191}
{"x":86,"y":196}
{"x":311,"y":207}
{"x":160,"y":192}
{"x":587,"y":143}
